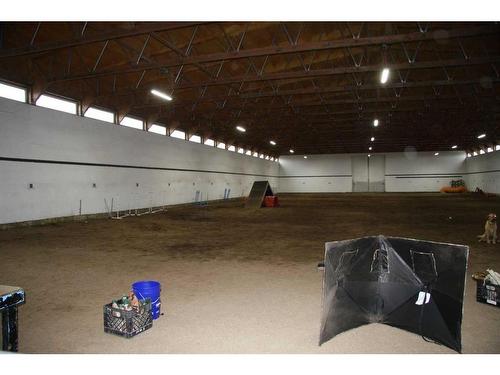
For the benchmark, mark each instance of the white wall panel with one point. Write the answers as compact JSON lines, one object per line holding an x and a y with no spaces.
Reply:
{"x":317,"y":173}
{"x":359,"y":173}
{"x":376,"y":173}
{"x":422,"y":171}
{"x":168,"y":171}
{"x":483,"y":171}
{"x":402,"y":172}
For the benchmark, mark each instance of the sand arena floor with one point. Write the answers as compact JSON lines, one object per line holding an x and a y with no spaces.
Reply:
{"x":234,"y":280}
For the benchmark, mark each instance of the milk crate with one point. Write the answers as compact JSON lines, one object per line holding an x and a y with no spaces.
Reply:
{"x":488,"y":293}
{"x":127,"y":323}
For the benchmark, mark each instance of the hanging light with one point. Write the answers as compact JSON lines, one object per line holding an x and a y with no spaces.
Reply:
{"x":384,"y":76}
{"x":161,"y":95}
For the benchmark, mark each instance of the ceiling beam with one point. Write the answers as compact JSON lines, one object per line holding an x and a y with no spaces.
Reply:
{"x":322,"y":73}
{"x":251,"y":113}
{"x":381,"y":143}
{"x":284,"y":126}
{"x":315,"y":103}
{"x":317,"y":90}
{"x":300,"y":48}
{"x":447,"y":112}
{"x":99,"y":37}
{"x":312,"y":91}
{"x":289,"y":122}
{"x":344,"y":70}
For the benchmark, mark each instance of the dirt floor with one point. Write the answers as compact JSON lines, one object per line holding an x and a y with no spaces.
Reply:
{"x":233,"y":280}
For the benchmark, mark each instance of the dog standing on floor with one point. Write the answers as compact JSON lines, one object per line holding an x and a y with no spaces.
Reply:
{"x":490,"y":230}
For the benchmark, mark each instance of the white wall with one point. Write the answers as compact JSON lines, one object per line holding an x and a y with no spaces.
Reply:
{"x":317,"y":173}
{"x":44,"y":135}
{"x":360,"y":173}
{"x":483,"y":171}
{"x":376,"y":173}
{"x":422,"y":171}
{"x":52,"y":148}
{"x":404,"y":172}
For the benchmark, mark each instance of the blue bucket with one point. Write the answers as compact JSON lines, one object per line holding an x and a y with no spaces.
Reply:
{"x":149,"y":289}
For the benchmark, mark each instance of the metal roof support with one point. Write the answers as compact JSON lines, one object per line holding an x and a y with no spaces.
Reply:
{"x":100,"y":56}
{"x":51,"y":46}
{"x":466,"y":56}
{"x":70,"y":59}
{"x":240,"y":44}
{"x":84,"y":27}
{"x":423,"y":28}
{"x":140,"y":79}
{"x":305,"y":47}
{"x":142,"y":50}
{"x":35,"y":33}
{"x":358,"y":35}
{"x":37,"y":90}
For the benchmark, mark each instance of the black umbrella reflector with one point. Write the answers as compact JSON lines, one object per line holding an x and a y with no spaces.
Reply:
{"x":410,"y":284}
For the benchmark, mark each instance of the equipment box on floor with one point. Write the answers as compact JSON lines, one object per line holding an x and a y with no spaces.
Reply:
{"x":127,"y":323}
{"x":271,"y":201}
{"x":488,"y":293}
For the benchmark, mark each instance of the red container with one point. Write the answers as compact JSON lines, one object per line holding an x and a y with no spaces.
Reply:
{"x":271,"y":201}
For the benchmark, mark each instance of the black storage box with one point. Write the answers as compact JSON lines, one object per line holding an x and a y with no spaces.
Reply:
{"x":127,"y":323}
{"x":488,"y":293}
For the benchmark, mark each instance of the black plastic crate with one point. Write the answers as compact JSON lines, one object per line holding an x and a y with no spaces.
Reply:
{"x":127,"y":323}
{"x":488,"y":293}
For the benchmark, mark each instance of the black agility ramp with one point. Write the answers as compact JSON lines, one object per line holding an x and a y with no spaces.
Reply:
{"x":414,"y":285}
{"x":260,"y":189}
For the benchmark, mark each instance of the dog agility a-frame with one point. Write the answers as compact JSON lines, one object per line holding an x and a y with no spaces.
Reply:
{"x":259,"y":191}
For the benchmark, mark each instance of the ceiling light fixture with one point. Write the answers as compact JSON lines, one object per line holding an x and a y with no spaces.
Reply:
{"x":436,"y":153}
{"x":305,"y":157}
{"x":372,"y":139}
{"x":375,"y":122}
{"x":369,"y":155}
{"x":370,"y":148}
{"x":241,"y":129}
{"x":454,"y":147}
{"x":384,"y":76}
{"x":291,"y":151}
{"x":161,"y":95}
{"x":273,"y":143}
{"x":481,"y":136}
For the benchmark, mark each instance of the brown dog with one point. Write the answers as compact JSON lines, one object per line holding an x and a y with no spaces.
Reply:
{"x":490,"y":230}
